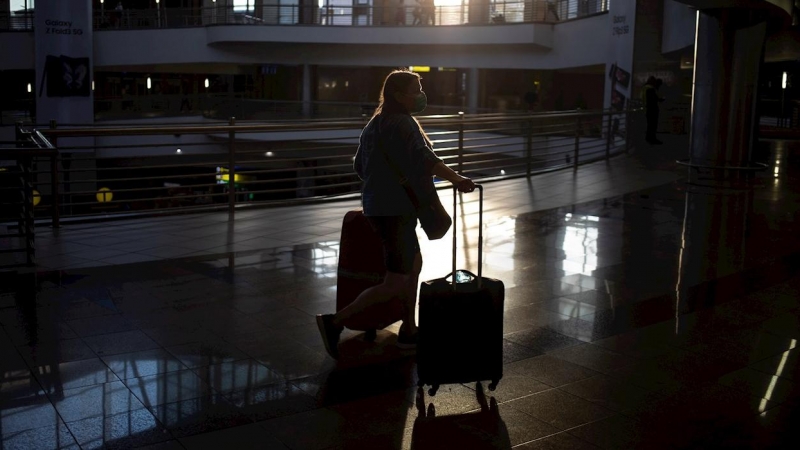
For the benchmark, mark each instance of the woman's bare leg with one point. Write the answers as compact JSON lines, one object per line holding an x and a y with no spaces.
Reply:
{"x":409,"y":317}
{"x":375,"y":302}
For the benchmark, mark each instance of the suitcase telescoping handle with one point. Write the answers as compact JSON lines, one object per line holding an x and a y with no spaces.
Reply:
{"x":480,"y":234}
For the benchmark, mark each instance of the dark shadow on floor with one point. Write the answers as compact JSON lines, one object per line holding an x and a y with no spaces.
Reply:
{"x":484,"y":429}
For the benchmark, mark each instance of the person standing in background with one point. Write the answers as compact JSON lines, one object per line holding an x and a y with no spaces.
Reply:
{"x":428,"y":12}
{"x":651,"y":99}
{"x":400,"y":13}
{"x":417,"y":13}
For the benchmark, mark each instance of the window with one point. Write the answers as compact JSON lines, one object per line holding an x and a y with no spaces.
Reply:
{"x":244,"y":5}
{"x":19,"y":5}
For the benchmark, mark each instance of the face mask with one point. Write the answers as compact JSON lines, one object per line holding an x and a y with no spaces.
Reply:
{"x":420,"y":102}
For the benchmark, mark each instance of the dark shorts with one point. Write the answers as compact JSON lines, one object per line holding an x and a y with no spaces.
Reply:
{"x":400,"y":244}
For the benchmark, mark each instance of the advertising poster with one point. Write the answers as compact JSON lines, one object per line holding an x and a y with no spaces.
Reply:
{"x":619,"y":65}
{"x":63,"y":36}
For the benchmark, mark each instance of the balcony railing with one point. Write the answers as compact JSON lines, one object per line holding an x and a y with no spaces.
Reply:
{"x":333,"y":14}
{"x":223,"y":106}
{"x":123,"y":170}
{"x":18,"y":198}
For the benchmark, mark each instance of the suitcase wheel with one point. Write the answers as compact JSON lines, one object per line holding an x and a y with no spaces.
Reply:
{"x":370,"y":335}
{"x":493,"y":385}
{"x":433,"y":389}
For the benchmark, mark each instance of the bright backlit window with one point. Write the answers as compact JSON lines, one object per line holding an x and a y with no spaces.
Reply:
{"x":18,"y":5}
{"x":244,"y":5}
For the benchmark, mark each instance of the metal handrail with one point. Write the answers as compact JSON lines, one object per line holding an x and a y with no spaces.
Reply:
{"x":28,"y":146}
{"x":309,"y":159}
{"x":443,"y":119}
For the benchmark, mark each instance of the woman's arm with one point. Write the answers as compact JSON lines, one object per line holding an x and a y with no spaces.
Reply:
{"x":463,"y":184}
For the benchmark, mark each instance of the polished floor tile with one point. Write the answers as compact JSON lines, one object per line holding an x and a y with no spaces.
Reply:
{"x":61,"y":351}
{"x":198,"y":415}
{"x":610,"y":393}
{"x":311,"y":430}
{"x":558,"y":441}
{"x":143,"y":363}
{"x":122,"y":342}
{"x":759,"y":384}
{"x":236,"y":375}
{"x":132,"y":429}
{"x":168,"y":387}
{"x":629,"y":323}
{"x":197,"y":354}
{"x":99,"y":400}
{"x":593,"y":357}
{"x":74,"y":374}
{"x":541,"y":339}
{"x":560,"y":409}
{"x":518,"y":426}
{"x":56,"y":436}
{"x":244,"y":437}
{"x":513,"y":386}
{"x":26,"y":414}
{"x":550,"y":370}
{"x":271,"y":401}
{"x":618,"y":432}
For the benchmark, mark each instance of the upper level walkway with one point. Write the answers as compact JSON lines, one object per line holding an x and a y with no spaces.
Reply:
{"x":641,"y":312}
{"x":534,"y":34}
{"x":329,"y":13}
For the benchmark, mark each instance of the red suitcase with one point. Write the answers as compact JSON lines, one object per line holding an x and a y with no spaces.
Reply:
{"x":361,"y":266}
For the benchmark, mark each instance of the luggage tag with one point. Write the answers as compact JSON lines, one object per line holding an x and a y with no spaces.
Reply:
{"x":460,"y":277}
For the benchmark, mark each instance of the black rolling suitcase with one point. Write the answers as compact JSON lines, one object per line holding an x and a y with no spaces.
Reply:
{"x":461,"y":323}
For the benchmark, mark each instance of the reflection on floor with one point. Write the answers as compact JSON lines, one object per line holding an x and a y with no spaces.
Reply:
{"x":659,"y":317}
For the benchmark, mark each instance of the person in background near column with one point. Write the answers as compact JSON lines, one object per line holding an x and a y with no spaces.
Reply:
{"x":392,"y":134}
{"x":531,"y":99}
{"x":651,"y":100}
{"x":400,"y":13}
{"x":428,"y":12}
{"x":417,"y":13}
{"x":118,"y":14}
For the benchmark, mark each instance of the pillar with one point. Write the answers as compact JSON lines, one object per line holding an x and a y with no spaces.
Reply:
{"x":473,"y":90}
{"x":307,"y":90}
{"x":729,"y":48}
{"x":728,"y":54}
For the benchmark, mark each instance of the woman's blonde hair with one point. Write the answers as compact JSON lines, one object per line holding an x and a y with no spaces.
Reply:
{"x":398,"y":81}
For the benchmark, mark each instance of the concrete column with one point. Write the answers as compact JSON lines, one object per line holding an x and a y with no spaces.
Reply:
{"x":478,"y":11}
{"x":473,"y":90}
{"x":307,"y":90}
{"x":728,"y":54}
{"x":308,"y":11}
{"x":5,"y":13}
{"x":729,"y":49}
{"x":258,"y":8}
{"x":713,"y":245}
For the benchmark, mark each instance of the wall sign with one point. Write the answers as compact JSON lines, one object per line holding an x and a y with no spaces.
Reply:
{"x":619,"y":65}
{"x":64,"y":48}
